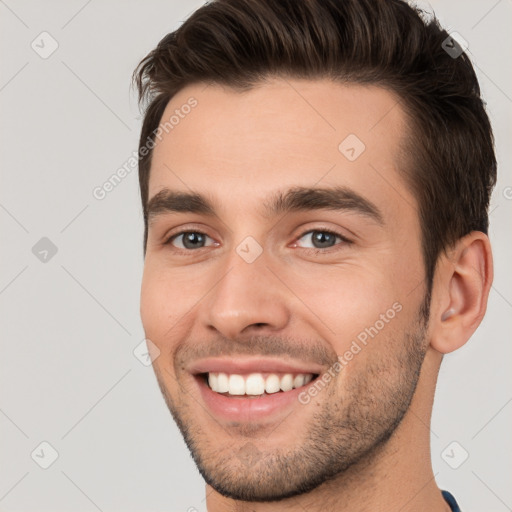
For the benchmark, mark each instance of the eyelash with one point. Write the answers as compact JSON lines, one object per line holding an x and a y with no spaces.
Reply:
{"x":308,"y":249}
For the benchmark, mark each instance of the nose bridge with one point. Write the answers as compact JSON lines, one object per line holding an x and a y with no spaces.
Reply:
{"x":247,"y":294}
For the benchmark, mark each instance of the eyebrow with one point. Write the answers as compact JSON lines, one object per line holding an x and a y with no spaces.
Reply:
{"x":292,"y":200}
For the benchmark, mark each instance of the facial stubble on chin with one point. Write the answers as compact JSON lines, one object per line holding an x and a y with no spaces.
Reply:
{"x":346,"y":431}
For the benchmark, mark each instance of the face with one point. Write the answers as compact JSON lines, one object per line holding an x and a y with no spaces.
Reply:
{"x":283,"y":281}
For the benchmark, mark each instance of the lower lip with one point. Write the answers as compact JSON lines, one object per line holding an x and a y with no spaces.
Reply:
{"x":246,"y":409}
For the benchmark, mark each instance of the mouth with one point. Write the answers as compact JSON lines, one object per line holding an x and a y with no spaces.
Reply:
{"x":252,"y":390}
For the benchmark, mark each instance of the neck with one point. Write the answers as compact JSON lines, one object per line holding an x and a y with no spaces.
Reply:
{"x":396,"y":476}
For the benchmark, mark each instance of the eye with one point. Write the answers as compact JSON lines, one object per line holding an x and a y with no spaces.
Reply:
{"x":323,"y":238}
{"x":320,"y":239}
{"x":189,"y":240}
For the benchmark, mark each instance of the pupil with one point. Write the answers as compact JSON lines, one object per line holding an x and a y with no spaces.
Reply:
{"x":323,"y":239}
{"x":192,"y":239}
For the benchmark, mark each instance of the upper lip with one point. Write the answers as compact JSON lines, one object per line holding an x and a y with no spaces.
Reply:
{"x":243,"y":365}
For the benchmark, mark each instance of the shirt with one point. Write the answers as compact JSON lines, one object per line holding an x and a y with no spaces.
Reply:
{"x":451,"y":501}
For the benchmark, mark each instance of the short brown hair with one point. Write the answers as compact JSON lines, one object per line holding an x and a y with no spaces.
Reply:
{"x":451,"y":165}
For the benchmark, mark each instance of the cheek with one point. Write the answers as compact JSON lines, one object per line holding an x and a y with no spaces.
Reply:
{"x":157,"y":316}
{"x":167,"y":301}
{"x":158,"y":302}
{"x":150,"y":303}
{"x":348,"y":299}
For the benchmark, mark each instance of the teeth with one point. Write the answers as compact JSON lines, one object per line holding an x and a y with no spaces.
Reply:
{"x":272,"y":384}
{"x":298,"y":381}
{"x":256,"y":383}
{"x":222,"y":383}
{"x":236,"y":385}
{"x":287,"y":382}
{"x":213,"y":380}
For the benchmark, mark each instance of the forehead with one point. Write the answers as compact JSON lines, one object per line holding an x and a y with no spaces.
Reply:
{"x":242,"y":146}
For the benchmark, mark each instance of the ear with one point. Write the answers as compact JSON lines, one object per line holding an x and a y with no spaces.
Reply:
{"x":461,"y":287}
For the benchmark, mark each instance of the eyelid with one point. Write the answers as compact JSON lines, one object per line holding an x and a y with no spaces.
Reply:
{"x":189,"y":228}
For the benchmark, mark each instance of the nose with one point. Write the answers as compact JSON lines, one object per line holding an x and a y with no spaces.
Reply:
{"x":248,"y":297}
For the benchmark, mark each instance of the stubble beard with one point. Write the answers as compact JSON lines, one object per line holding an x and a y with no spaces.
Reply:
{"x":348,"y":429}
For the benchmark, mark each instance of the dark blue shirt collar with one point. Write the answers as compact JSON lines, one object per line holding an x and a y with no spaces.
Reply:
{"x":451,"y":501}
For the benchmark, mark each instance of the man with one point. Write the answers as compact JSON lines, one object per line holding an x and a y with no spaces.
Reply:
{"x":315,"y":177}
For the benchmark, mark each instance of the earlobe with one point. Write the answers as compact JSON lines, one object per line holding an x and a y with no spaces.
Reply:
{"x":460,"y":292}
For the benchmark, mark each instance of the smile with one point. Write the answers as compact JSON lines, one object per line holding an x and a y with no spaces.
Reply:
{"x":252,"y":389}
{"x":255,"y":384}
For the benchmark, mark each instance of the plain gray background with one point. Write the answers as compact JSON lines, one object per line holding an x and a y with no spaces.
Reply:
{"x":70,"y":323}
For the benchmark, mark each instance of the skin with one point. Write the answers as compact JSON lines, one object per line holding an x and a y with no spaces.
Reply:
{"x":238,"y":148}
